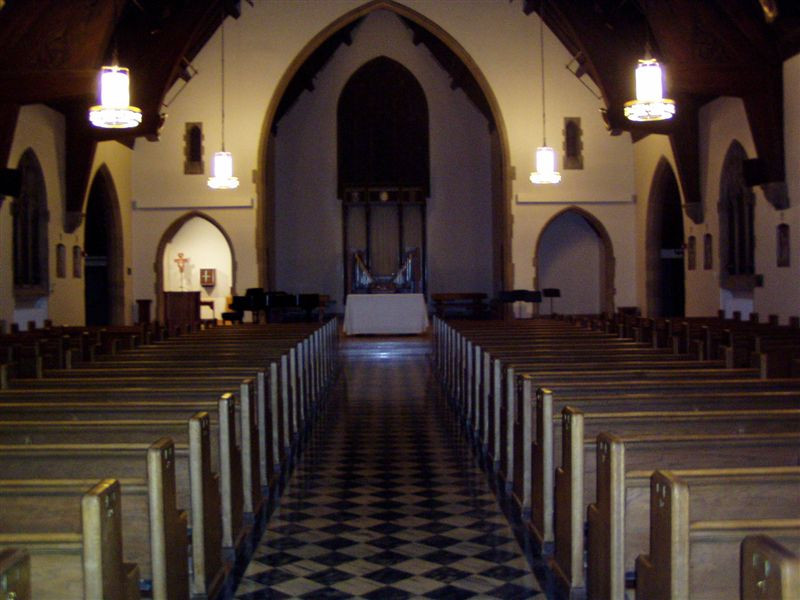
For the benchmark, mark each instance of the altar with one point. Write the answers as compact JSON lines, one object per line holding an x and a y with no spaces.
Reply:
{"x":385,"y":314}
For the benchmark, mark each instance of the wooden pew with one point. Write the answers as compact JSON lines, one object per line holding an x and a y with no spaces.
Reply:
{"x":272,"y":407}
{"x":240,"y":466}
{"x":528,"y":450}
{"x":693,"y":558}
{"x":15,"y":574}
{"x":197,"y":486}
{"x":160,"y":548}
{"x":85,"y":564}
{"x":768,"y":570}
{"x":718,"y":412}
{"x":619,"y":464}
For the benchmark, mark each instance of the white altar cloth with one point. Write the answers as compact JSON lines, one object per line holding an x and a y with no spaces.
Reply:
{"x":385,"y":314}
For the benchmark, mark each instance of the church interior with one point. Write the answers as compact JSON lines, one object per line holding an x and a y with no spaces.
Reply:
{"x":441,"y":225}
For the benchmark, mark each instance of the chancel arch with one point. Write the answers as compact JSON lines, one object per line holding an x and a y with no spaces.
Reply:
{"x":574,"y":254}
{"x":104,"y":275}
{"x":276,"y":185}
{"x":666,"y":283}
{"x":195,"y":254}
{"x":383,"y":178}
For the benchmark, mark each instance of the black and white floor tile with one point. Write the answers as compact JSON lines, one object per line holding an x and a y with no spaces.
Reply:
{"x":386,"y":501}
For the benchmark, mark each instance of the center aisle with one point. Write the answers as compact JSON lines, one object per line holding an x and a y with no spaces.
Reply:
{"x":386,"y":501}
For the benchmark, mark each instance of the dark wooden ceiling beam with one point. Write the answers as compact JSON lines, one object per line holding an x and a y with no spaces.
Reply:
{"x":156,"y":57}
{"x":8,"y":123}
{"x":28,"y":87}
{"x":610,"y":51}
{"x":684,"y":140}
{"x":80,"y":146}
{"x":764,"y":109}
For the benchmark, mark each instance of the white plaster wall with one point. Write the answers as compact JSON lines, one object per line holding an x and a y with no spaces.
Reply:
{"x":308,"y":213}
{"x":569,"y":259}
{"x":206,"y":248}
{"x":781,"y":292}
{"x":619,"y":221}
{"x":261,"y":46}
{"x":42,"y":129}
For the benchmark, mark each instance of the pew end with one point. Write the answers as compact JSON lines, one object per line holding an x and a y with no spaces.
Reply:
{"x":169,"y":535}
{"x":768,"y":570}
{"x":606,"y":570}
{"x":567,"y":562}
{"x":664,"y":572}
{"x":696,"y":559}
{"x":15,"y":574}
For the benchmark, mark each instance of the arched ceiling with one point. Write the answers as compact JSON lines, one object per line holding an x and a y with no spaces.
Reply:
{"x":53,"y":49}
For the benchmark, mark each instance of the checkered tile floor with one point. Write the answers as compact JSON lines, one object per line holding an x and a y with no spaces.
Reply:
{"x":386,"y":501}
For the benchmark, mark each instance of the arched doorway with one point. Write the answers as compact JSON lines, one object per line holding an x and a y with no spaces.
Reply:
{"x":736,"y":234}
{"x":103,"y":265}
{"x":666,"y":280}
{"x":296,"y":79}
{"x":574,"y":254}
{"x":205,"y":254}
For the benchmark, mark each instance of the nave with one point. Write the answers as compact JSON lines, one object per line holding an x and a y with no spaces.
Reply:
{"x":386,"y":500}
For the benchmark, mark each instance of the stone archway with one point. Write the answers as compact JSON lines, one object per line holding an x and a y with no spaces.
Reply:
{"x":606,"y":260}
{"x":104,"y":272}
{"x":665,"y":271}
{"x":502,"y":268}
{"x":168,"y":236}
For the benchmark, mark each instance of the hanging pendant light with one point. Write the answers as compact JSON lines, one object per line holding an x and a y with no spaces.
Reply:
{"x":545,"y":155}
{"x":222,"y":166}
{"x":114,"y":110}
{"x":650,"y":104}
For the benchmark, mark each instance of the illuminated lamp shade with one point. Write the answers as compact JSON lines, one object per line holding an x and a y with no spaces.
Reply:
{"x":545,"y":166}
{"x":650,"y":105}
{"x":114,"y":110}
{"x":545,"y":156}
{"x":223,"y":178}
{"x":222,"y":167}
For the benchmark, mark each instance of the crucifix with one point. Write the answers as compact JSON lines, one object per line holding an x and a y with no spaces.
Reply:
{"x":181,"y":262}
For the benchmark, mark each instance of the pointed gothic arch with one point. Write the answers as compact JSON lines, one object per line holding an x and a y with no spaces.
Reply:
{"x":500,"y":154}
{"x":607,"y":262}
{"x":104,"y":271}
{"x":167,"y":236}
{"x":30,"y":217}
{"x":736,"y":210}
{"x":664,"y":270}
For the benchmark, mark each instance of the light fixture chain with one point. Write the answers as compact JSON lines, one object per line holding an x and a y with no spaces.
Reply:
{"x":223,"y":82}
{"x":541,"y":58}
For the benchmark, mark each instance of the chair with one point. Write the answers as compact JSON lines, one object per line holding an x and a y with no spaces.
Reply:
{"x":237,"y":306}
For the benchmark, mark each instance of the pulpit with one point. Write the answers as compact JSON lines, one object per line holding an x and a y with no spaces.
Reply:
{"x":182,"y":308}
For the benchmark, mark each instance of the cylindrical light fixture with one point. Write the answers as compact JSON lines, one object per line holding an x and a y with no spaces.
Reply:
{"x":222,"y":168}
{"x":545,"y":155}
{"x":114,"y":110}
{"x":650,"y":104}
{"x":545,"y":166}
